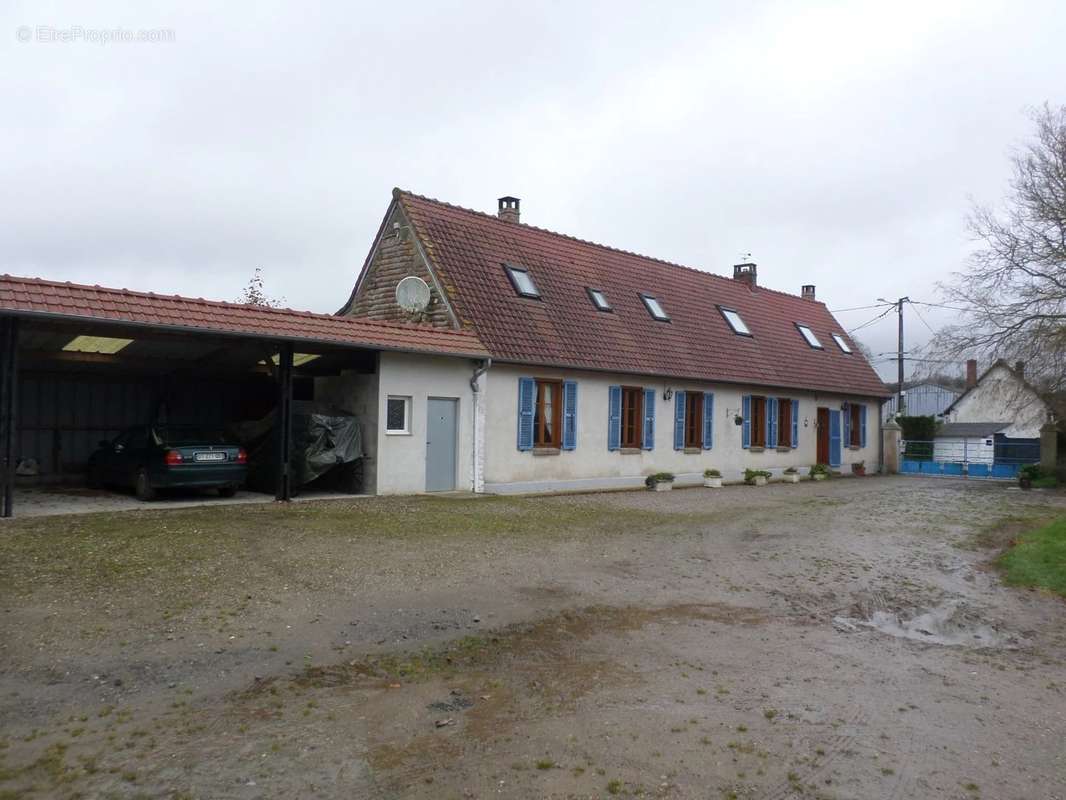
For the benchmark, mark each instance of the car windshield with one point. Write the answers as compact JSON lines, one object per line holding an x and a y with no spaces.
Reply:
{"x":189,"y":434}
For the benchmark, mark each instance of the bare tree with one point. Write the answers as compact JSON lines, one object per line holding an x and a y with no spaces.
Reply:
{"x":1013,"y":291}
{"x":255,"y":295}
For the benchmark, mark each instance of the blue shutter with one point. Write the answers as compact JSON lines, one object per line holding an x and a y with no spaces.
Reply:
{"x":845,"y":439}
{"x":614,"y":417}
{"x":649,"y":419}
{"x":745,"y":412}
{"x":862,"y":426}
{"x":708,"y":420}
{"x":795,"y":423}
{"x":569,"y":415}
{"x":771,"y":422}
{"x":527,"y":396}
{"x":679,"y":420}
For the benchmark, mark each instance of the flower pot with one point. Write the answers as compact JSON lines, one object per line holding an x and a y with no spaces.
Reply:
{"x":791,"y":477}
{"x":713,"y":483}
{"x":859,"y":471}
{"x":758,"y":480}
{"x":819,"y":476}
{"x":662,"y":486}
{"x":1025,"y":482}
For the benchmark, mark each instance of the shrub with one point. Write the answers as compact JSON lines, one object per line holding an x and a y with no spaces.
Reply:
{"x":658,"y":477}
{"x":791,"y":471}
{"x":712,"y":473}
{"x":921,"y":429}
{"x":821,"y":469}
{"x":751,"y":474}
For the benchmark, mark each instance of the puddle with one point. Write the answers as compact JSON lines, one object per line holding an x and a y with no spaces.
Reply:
{"x":952,"y":624}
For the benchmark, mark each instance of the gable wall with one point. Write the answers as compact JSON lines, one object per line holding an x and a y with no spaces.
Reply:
{"x":396,"y":256}
{"x":1000,"y":397}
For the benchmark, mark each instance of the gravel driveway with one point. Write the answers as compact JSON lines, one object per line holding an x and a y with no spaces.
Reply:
{"x":842,"y":639}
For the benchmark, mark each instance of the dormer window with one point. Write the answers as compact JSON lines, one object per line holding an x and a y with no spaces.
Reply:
{"x":841,"y":343}
{"x":599,"y":299}
{"x":655,"y":308}
{"x":808,"y":334}
{"x":522,"y":281}
{"x":738,"y":325}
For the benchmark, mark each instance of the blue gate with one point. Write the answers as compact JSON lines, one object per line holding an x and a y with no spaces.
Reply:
{"x":998,"y":458}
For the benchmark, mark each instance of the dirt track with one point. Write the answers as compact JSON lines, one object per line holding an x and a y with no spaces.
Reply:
{"x":836,"y":640}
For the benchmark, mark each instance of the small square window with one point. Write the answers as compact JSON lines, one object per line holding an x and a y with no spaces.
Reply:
{"x":735,"y":322}
{"x":840,"y":342}
{"x":599,"y":299}
{"x":397,"y":415}
{"x":655,"y":308}
{"x":522,"y":281}
{"x":808,"y":334}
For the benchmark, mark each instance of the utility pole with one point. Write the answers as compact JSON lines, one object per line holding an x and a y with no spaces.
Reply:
{"x":899,"y":352}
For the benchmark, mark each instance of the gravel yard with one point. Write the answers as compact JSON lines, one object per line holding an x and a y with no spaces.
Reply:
{"x":844,"y":639}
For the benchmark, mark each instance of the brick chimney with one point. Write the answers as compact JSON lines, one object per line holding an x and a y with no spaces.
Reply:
{"x":971,"y":373}
{"x":1019,"y":368}
{"x":746,"y":273}
{"x":508,"y":210}
{"x":807,"y":291}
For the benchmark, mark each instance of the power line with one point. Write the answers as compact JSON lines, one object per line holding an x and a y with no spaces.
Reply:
{"x":856,"y":308}
{"x":918,"y":314}
{"x":872,"y":321}
{"x":938,"y":305}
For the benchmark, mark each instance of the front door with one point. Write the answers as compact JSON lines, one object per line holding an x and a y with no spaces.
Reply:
{"x":441,"y":444}
{"x":823,"y":435}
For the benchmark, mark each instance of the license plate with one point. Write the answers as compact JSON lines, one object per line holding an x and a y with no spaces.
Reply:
{"x":209,"y":457}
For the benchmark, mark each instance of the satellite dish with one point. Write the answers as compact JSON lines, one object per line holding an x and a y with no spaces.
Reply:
{"x":412,"y":294}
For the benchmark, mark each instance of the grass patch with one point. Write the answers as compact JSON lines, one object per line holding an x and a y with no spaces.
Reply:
{"x":1037,"y":559}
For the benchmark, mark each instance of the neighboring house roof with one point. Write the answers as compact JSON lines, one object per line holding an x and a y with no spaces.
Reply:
{"x":33,"y":297}
{"x":974,"y":429}
{"x":998,"y":363}
{"x":467,"y":250}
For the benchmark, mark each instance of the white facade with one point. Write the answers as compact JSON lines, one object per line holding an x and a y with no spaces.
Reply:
{"x":592,"y":465}
{"x":1001,"y":397}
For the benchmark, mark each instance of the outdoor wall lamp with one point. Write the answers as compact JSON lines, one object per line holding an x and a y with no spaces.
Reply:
{"x":806,"y":422}
{"x":668,"y":393}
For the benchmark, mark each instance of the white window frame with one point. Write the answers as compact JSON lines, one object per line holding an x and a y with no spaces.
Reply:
{"x":735,"y":321}
{"x":407,"y":403}
{"x":841,"y":343}
{"x":809,"y":336}
{"x":655,"y":307}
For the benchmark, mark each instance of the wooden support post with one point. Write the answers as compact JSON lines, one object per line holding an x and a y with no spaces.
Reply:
{"x":284,"y":423}
{"x":9,"y":332}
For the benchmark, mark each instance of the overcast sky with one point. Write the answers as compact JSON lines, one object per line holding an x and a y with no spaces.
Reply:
{"x":839,"y":143}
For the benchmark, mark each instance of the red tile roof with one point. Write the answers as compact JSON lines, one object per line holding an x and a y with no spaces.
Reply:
{"x":468,"y":248}
{"x":33,"y":296}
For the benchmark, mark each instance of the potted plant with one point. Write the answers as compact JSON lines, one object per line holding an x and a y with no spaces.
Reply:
{"x":819,"y":472}
{"x":712,"y":479}
{"x":791,"y":475}
{"x":660,"y":481}
{"x":858,"y":468}
{"x":1028,"y":474}
{"x":756,"y":477}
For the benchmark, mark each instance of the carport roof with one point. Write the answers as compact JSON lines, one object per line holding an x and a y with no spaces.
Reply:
{"x":41,"y":299}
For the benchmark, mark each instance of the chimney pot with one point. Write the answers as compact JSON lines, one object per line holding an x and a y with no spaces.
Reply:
{"x":807,"y":292}
{"x":746,"y":273}
{"x":508,"y":209}
{"x":971,"y":373}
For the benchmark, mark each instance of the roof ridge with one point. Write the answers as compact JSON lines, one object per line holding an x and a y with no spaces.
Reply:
{"x":399,"y":193}
{"x":227,"y":304}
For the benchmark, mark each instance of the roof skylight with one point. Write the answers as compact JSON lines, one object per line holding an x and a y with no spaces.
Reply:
{"x":808,"y":334}
{"x":735,"y":322}
{"x":96,"y":344}
{"x":655,"y":308}
{"x":522,"y":281}
{"x":840,"y":342}
{"x":599,"y":299}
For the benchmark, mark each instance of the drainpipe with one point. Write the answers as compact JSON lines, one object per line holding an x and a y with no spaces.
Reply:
{"x":478,"y":481}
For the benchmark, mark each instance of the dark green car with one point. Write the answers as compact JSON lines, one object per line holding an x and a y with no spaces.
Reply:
{"x":150,"y":457}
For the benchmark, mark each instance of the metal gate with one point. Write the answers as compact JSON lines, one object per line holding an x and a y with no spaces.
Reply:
{"x":997,"y":458}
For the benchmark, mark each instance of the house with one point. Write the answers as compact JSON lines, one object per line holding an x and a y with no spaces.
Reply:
{"x":1001,"y":393}
{"x":603,"y":365}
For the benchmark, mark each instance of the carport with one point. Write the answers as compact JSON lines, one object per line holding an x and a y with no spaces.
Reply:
{"x":80,"y":363}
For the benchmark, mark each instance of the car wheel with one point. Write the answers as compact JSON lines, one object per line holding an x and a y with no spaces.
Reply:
{"x":144,"y":485}
{"x":227,"y":491}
